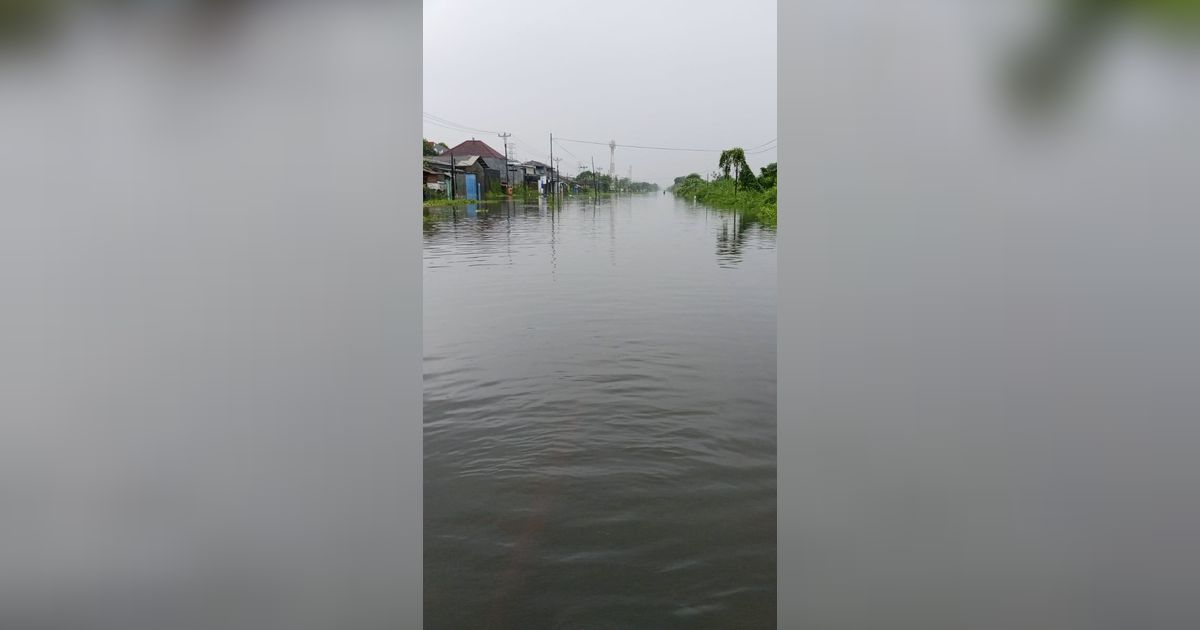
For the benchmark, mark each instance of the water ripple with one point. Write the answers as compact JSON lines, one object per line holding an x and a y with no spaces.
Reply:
{"x":599,"y":417}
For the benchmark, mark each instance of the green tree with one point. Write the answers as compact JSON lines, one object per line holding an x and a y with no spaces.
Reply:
{"x":769,"y":175}
{"x":427,"y":147}
{"x":746,"y":179}
{"x":734,"y":159}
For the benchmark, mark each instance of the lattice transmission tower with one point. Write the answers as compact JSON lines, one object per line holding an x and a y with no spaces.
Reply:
{"x":612,"y":160}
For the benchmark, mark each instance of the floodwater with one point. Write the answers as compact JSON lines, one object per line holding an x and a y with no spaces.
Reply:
{"x":599,"y":417}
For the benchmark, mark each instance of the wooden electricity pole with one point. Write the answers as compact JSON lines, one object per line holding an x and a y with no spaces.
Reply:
{"x":507,"y":169}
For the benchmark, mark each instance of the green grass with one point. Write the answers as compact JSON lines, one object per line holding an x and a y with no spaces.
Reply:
{"x":757,"y":206}
{"x":434,"y":203}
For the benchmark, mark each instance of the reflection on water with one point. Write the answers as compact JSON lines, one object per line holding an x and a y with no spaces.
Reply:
{"x":730,"y":232}
{"x":599,"y":417}
{"x":731,"y":238}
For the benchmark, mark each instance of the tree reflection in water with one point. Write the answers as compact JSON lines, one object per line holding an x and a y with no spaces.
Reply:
{"x":730,"y":240}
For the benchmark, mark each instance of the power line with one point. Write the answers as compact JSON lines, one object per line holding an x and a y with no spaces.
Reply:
{"x":449,"y":127}
{"x":634,"y":146}
{"x":757,"y":146}
{"x":434,"y":121}
{"x":559,"y":145}
{"x":530,"y":148}
{"x":637,"y":146}
{"x":763,"y":150}
{"x":447,"y":121}
{"x":470,"y":130}
{"x":444,"y":122}
{"x":464,"y":128}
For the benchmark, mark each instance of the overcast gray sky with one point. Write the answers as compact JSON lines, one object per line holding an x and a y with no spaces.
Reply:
{"x":697,"y":74}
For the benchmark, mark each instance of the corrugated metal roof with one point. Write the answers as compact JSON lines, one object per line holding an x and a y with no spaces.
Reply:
{"x":444,"y":160}
{"x":495,"y":164}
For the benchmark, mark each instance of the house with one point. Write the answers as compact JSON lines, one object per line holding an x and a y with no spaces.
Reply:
{"x":470,"y":178}
{"x":431,"y":177}
{"x":436,"y":182}
{"x":481,"y":160}
{"x":538,"y":174}
{"x":537,"y":169}
{"x":535,"y":173}
{"x":495,"y":170}
{"x":475,"y":147}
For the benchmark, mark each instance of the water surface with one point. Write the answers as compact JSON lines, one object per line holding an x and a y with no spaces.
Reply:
{"x":599,"y":417}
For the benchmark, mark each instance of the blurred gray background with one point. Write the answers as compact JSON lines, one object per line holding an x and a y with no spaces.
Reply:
{"x":988,"y":358}
{"x":988,"y":348}
{"x":210,"y":297}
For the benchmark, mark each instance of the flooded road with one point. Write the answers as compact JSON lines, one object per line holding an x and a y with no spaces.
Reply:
{"x":599,"y":417}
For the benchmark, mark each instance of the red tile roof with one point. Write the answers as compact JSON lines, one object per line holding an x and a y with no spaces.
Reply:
{"x":474,"y":147}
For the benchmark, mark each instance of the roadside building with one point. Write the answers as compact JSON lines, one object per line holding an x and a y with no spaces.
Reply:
{"x":475,"y":147}
{"x":537,"y":175}
{"x":481,"y":166}
{"x":494,"y":169}
{"x":470,"y":178}
{"x":435,"y":182}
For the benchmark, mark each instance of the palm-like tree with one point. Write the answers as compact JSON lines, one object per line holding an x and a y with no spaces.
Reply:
{"x":735,"y":159}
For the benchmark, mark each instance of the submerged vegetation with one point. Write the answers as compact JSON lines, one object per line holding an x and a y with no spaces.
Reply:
{"x":446,"y":201}
{"x":735,"y":188}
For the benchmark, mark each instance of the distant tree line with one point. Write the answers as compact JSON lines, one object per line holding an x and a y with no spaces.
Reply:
{"x":604,"y":183}
{"x":767,"y":178}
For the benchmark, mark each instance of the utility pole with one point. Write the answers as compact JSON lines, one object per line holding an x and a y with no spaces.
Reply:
{"x":595,"y":184}
{"x":553,"y":188}
{"x":557,"y":170}
{"x":452,"y":191}
{"x":507,"y":169}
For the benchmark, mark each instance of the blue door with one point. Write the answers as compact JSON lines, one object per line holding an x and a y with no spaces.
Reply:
{"x":472,"y":191}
